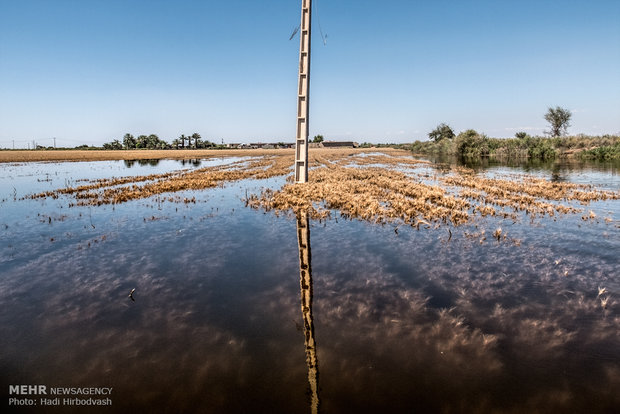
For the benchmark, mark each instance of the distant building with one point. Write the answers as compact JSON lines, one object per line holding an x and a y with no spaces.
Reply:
{"x":335,"y":144}
{"x":271,"y":145}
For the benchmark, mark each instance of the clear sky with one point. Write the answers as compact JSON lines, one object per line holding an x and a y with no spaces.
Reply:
{"x":88,"y":71}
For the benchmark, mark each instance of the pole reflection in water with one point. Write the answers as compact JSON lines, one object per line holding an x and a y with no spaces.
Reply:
{"x":305,"y":281}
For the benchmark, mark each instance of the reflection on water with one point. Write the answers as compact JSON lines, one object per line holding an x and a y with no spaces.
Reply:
{"x":560,"y":170}
{"x":408,"y":321}
{"x":528,"y":164}
{"x":194,"y":162}
{"x":141,"y":162}
{"x":305,"y":282}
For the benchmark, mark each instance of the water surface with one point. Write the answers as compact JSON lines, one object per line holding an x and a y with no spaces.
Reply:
{"x":398,"y":319}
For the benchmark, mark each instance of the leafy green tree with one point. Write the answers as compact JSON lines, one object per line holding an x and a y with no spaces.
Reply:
{"x":206,"y":144}
{"x":471,"y":144}
{"x":152,"y":141}
{"x":129,"y":142}
{"x":521,"y":135}
{"x":443,"y":131}
{"x":114,"y":145}
{"x":141,"y":141}
{"x":559,"y":121}
{"x":318,"y":138}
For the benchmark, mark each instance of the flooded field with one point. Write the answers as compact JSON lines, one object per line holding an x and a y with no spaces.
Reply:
{"x":386,"y":284}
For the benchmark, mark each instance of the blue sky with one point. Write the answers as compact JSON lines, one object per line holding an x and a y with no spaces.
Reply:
{"x":89,"y":71}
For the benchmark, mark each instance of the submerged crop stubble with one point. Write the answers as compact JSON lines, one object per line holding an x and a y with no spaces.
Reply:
{"x":120,"y":190}
{"x":382,"y":188}
{"x":373,"y":186}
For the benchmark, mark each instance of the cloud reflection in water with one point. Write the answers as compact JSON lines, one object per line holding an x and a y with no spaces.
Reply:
{"x":402,"y":321}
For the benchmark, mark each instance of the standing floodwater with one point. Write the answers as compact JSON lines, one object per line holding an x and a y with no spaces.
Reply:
{"x":401,"y":317}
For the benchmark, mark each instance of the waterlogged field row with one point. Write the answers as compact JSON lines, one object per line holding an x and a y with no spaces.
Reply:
{"x":376,"y":187}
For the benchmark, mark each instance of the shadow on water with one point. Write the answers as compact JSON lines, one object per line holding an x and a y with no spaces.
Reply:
{"x":305,"y":282}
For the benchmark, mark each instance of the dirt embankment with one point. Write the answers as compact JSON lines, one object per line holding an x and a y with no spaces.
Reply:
{"x":100,"y":155}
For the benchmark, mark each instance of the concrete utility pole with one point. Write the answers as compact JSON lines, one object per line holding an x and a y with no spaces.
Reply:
{"x":303,"y":94}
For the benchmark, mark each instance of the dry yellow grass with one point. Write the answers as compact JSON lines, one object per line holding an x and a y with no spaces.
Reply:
{"x":78,"y":155}
{"x":372,"y":194}
{"x":95,"y":155}
{"x":382,"y":193}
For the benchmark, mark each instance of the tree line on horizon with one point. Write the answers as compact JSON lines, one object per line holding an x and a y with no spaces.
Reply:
{"x":471,"y":144}
{"x":152,"y":141}
{"x":558,"y":118}
{"x":442,"y":141}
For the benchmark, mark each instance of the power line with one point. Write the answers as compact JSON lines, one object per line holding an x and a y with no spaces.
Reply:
{"x":318,"y":20}
{"x":295,"y":30}
{"x":34,"y":143}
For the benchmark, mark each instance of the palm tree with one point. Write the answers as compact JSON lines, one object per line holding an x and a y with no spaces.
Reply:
{"x":152,"y":141}
{"x":196,"y":137}
{"x":129,"y":141}
{"x":142,"y":141}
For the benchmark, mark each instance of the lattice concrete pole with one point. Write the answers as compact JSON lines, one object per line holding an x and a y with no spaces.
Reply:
{"x":303,"y":94}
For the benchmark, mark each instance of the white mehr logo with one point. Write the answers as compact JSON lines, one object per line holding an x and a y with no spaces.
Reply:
{"x":28,"y":389}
